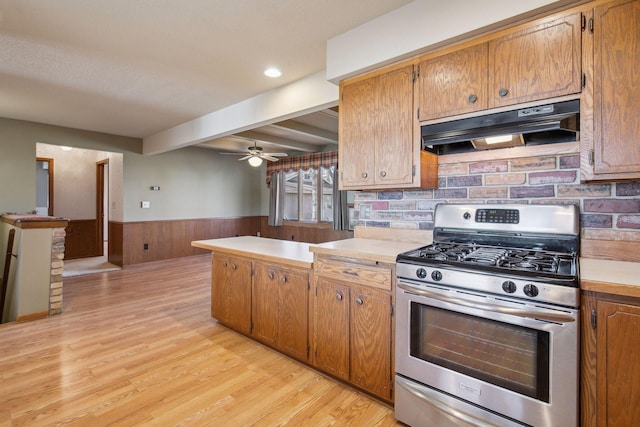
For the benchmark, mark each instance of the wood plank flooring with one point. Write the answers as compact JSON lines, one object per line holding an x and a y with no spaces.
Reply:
{"x":139,"y":347}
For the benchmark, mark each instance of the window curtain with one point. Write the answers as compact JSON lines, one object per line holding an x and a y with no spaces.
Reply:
{"x":340,"y":207}
{"x":276,"y":198}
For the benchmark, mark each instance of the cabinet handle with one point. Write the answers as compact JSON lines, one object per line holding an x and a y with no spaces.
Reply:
{"x":383,"y":174}
{"x":350,"y":273}
{"x":503,"y":92}
{"x":339,"y":296}
{"x":234,"y":267}
{"x":473,"y":98}
{"x":359,"y":301}
{"x":283,"y":279}
{"x":271,"y":276}
{"x":363,"y":174}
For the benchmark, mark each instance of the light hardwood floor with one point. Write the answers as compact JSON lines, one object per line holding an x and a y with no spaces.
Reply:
{"x":139,"y":347}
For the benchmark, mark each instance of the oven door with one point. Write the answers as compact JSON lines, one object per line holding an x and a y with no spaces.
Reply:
{"x":505,"y":356}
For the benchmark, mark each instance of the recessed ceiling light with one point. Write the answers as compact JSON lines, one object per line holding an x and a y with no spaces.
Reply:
{"x":272,"y":72}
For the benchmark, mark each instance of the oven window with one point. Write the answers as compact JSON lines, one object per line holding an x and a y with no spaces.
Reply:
{"x":509,"y":356}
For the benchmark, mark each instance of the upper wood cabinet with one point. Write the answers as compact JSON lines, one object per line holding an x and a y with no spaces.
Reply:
{"x":543,"y":60}
{"x":453,"y":84}
{"x":231,"y":292}
{"x":379,"y":144}
{"x":610,"y":110}
{"x":538,"y":61}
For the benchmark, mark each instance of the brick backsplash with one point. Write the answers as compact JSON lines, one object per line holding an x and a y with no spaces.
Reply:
{"x":544,"y":179}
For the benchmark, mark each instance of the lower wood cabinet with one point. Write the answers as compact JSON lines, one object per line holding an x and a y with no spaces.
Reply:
{"x":610,"y":360}
{"x":352,"y":328}
{"x":279,"y":308}
{"x":231,"y":292}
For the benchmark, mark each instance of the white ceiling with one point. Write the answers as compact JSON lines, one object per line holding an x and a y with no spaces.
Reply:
{"x":138,"y":67}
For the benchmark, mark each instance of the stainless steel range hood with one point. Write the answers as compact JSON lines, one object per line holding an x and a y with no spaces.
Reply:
{"x":542,"y":124}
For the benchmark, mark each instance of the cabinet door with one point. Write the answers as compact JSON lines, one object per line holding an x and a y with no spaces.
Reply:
{"x":231,"y":292}
{"x":452,"y":84}
{"x":616,"y":33}
{"x":618,"y":364}
{"x":264,"y":303}
{"x":357,"y":123}
{"x":331,"y":328}
{"x":394,"y":143}
{"x":371,"y":340}
{"x":540,"y":62}
{"x":293,"y":306}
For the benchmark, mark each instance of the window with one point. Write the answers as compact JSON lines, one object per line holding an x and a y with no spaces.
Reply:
{"x":307,"y":198}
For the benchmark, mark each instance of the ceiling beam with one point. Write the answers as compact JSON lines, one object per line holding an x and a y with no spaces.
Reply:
{"x":304,"y":130}
{"x":279,"y":141}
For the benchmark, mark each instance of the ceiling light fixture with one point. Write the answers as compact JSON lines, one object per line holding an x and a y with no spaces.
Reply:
{"x":255,"y":161}
{"x":272,"y":72}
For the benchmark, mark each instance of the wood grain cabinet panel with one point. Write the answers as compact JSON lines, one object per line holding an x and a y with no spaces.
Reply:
{"x":370,"y":350}
{"x":454,"y":83}
{"x":280,"y":301}
{"x":538,"y":62}
{"x":379,"y":144}
{"x":610,"y":151}
{"x":231,"y":292}
{"x":610,"y":385}
{"x":353,"y":330}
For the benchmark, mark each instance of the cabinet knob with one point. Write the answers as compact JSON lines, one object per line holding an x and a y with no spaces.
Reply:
{"x":503,"y":92}
{"x":283,"y":279}
{"x":339,"y":296}
{"x":473,"y":98}
{"x":359,"y":301}
{"x":363,"y":174}
{"x":271,"y":276}
{"x":224,"y":264}
{"x":234,"y":267}
{"x":383,"y":174}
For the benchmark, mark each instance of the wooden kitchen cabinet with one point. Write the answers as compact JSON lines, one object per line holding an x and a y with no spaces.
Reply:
{"x":542,"y":60}
{"x":452,"y":84}
{"x":611,"y":104}
{"x":280,"y":301}
{"x":610,"y":360}
{"x":379,"y":142}
{"x":535,"y":61}
{"x":231,"y":292}
{"x":353,"y":324}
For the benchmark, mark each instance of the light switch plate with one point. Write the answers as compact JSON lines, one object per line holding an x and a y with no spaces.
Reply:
{"x":145,"y":205}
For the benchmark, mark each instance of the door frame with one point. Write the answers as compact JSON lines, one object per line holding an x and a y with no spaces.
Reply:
{"x":100,"y":208}
{"x":49,"y":161}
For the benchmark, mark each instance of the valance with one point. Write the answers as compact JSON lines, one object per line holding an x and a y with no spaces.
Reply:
{"x":304,"y":162}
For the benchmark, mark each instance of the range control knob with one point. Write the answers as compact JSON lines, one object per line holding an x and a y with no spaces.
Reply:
{"x":531,"y":290}
{"x":466,"y":215}
{"x":509,"y":287}
{"x":436,"y":275}
{"x":421,"y":273}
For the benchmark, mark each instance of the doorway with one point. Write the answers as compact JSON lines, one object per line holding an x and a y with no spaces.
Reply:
{"x":102,"y":206}
{"x":44,"y":186}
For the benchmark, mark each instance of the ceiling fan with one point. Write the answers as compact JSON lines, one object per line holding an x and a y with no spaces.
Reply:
{"x":256,"y":154}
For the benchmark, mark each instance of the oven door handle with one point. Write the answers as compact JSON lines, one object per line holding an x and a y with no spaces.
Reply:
{"x":546,"y":315}
{"x":456,"y":414}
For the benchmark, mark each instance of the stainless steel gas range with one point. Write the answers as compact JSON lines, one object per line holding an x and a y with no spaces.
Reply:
{"x":487,"y":323}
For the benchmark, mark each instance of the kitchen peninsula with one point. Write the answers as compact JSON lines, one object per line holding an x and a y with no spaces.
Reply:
{"x":327,"y":305}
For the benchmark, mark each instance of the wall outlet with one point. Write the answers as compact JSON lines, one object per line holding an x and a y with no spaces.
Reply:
{"x":365,"y":211}
{"x":145,"y":246}
{"x":145,"y":205}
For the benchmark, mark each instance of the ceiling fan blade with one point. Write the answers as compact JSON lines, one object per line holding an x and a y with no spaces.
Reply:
{"x":276,"y":154}
{"x":271,"y":159}
{"x":246,"y":157}
{"x":234,"y":154}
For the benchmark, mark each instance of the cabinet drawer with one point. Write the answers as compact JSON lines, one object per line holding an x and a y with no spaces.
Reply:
{"x":377,"y":277}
